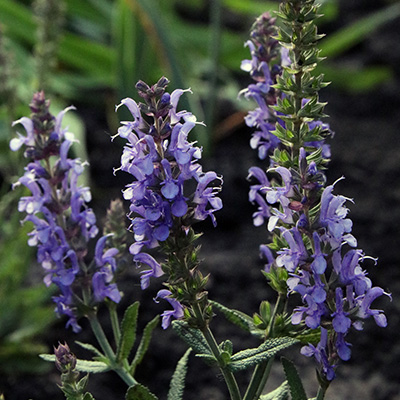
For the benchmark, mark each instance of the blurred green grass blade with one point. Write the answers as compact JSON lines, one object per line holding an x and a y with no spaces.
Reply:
{"x":86,"y":55}
{"x":349,"y":36}
{"x":124,"y":35}
{"x":75,"y":51}
{"x":250,"y":7}
{"x":356,"y":79}
{"x":156,"y":27}
{"x":89,"y":11}
{"x":18,"y":21}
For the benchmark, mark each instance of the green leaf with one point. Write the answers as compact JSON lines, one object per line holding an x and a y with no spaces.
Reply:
{"x":280,"y":393}
{"x":88,"y":396}
{"x":251,"y":357}
{"x":178,"y":379}
{"x":144,"y":344}
{"x":296,"y":387}
{"x":193,"y":337}
{"x":139,"y":392}
{"x":128,"y":332}
{"x":81,"y":365}
{"x":337,"y":43}
{"x":238,"y":318}
{"x":90,"y":347}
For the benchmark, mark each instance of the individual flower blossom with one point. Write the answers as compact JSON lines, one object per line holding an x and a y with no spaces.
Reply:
{"x":292,"y":257}
{"x":320,"y":354}
{"x":333,"y":217}
{"x":177,"y":311}
{"x":57,"y":207}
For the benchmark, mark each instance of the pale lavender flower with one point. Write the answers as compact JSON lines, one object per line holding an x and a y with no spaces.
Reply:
{"x":177,"y":311}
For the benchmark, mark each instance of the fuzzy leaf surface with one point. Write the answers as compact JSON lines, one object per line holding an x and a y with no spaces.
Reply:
{"x":93,"y":367}
{"x":193,"y":337}
{"x":178,"y":378}
{"x":280,"y":393}
{"x":144,"y":343}
{"x":297,"y":391}
{"x":128,"y":332}
{"x":251,"y":357}
{"x":139,"y":392}
{"x":236,"y":317}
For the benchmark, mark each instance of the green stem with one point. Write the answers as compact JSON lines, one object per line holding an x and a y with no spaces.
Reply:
{"x":261,"y":372}
{"x":108,"y":351}
{"x":258,"y":380}
{"x":215,"y":49}
{"x":114,"y":321}
{"x":321,"y":393}
{"x":227,"y":374}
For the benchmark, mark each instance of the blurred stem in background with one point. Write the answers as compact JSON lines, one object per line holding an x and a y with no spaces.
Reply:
{"x":215,"y":46}
{"x":50,"y":19}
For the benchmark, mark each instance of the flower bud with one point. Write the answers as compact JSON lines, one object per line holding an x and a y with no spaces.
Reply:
{"x":65,"y":359}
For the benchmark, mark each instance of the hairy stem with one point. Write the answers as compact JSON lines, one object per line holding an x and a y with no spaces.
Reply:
{"x":108,"y":351}
{"x":227,"y":374}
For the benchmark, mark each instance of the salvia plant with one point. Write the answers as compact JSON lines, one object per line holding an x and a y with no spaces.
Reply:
{"x":312,"y":261}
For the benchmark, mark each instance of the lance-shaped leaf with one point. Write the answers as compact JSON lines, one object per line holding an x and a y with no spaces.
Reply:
{"x":193,"y":337}
{"x":236,"y":317}
{"x":139,"y":392}
{"x":251,"y":357}
{"x":144,"y":344}
{"x":128,"y":332}
{"x":94,"y":367}
{"x":297,"y":391}
{"x":91,"y":348}
{"x":178,"y":379}
{"x":280,"y":393}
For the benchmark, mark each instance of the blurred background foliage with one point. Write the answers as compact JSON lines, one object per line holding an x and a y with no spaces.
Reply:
{"x":91,"y":53}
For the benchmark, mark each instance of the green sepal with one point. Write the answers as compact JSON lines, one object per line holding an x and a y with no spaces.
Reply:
{"x":88,"y":396}
{"x":144,"y":344}
{"x":251,"y":357}
{"x":297,"y":391}
{"x":277,"y":278}
{"x":193,"y":337}
{"x":309,"y":336}
{"x":238,"y":318}
{"x":128,"y":332}
{"x":139,"y":392}
{"x":81,"y":385}
{"x":82,"y":365}
{"x":280,"y":393}
{"x":177,"y":384}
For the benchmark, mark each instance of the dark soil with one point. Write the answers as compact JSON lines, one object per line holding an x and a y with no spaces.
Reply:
{"x":366,"y":150}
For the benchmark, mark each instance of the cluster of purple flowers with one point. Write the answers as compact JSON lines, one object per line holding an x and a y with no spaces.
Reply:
{"x":170,"y":191}
{"x":57,"y":207}
{"x":268,"y":58}
{"x":335,"y":291}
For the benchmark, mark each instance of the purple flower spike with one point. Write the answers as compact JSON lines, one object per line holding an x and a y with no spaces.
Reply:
{"x":58,"y":208}
{"x":164,"y":166}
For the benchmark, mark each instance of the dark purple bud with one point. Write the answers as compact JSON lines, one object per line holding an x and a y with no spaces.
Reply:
{"x":65,"y":359}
